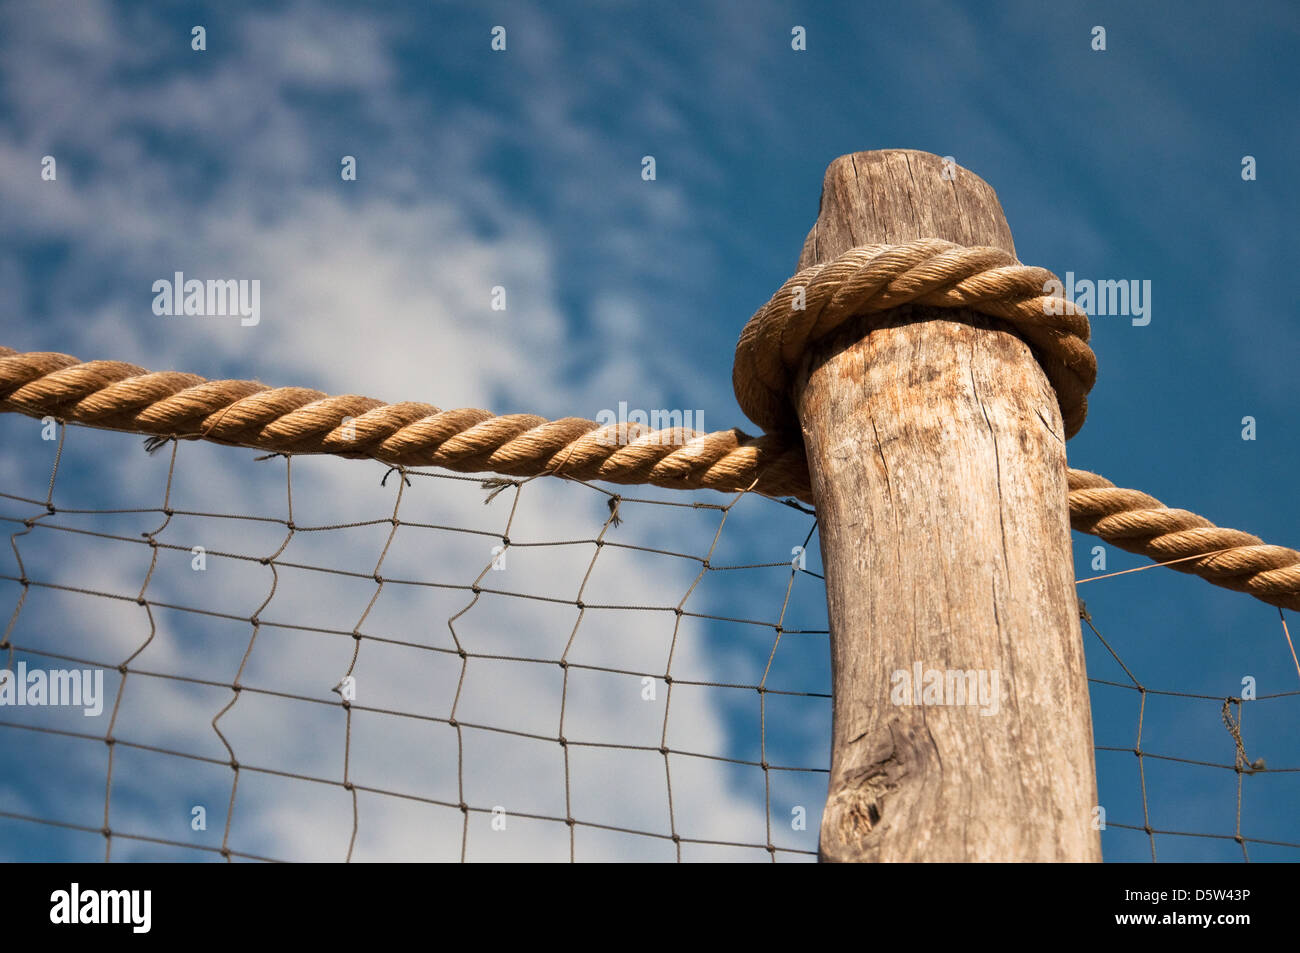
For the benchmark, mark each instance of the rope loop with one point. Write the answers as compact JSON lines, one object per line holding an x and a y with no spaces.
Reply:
{"x":929,"y":271}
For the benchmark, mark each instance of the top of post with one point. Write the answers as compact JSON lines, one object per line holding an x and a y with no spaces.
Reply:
{"x":888,"y":196}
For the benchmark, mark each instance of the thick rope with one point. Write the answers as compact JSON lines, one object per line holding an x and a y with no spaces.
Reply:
{"x":1138,"y":523}
{"x":119,"y":396}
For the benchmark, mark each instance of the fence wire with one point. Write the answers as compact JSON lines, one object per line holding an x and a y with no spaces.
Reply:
{"x":478,"y":589}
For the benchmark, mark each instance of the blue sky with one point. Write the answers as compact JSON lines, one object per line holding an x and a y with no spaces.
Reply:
{"x":522,"y":169}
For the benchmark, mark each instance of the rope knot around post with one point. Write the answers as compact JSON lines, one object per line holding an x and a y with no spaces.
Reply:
{"x":870,"y":279}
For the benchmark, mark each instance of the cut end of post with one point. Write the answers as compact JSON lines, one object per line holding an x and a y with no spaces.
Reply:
{"x":888,"y":196}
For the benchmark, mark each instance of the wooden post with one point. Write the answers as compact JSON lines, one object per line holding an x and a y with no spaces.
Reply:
{"x":937,"y":458}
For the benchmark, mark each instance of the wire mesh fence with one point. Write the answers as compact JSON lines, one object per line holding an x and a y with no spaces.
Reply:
{"x":218,"y":653}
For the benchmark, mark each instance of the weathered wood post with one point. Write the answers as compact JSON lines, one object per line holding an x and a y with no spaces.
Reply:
{"x":937,"y":457}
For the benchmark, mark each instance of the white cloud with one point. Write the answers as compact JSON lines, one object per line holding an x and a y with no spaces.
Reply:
{"x":382,"y":288}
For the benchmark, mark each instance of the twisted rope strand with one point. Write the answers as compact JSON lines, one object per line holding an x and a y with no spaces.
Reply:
{"x":119,"y":396}
{"x":1139,"y":523}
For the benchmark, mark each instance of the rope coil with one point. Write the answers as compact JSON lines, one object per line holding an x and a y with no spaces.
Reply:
{"x":817,"y":300}
{"x":874,"y":278}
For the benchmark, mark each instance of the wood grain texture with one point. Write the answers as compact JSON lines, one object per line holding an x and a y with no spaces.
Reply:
{"x":938,"y":467}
